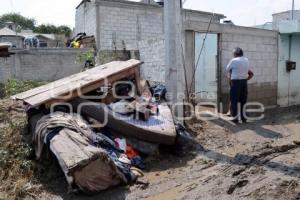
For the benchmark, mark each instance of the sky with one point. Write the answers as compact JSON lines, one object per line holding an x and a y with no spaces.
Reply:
{"x":241,"y":12}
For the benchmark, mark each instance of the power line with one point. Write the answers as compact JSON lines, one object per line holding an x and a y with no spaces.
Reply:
{"x":202,"y":47}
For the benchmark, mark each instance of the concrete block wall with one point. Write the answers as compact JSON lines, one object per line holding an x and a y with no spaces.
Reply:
{"x":85,"y":19}
{"x":41,"y":64}
{"x":261,"y":47}
{"x":123,"y":25}
{"x":152,"y":52}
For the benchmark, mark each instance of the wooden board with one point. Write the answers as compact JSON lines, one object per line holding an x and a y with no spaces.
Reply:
{"x":78,"y":84}
{"x":158,"y":129}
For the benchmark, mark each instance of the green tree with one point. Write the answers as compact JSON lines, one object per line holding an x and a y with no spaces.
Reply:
{"x":65,"y":30}
{"x":19,"y":20}
{"x":49,"y":28}
{"x":29,"y":23}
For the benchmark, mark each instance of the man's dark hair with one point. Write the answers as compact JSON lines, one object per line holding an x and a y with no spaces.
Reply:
{"x":238,"y":52}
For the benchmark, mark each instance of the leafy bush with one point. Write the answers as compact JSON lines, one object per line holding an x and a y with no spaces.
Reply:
{"x":14,"y":86}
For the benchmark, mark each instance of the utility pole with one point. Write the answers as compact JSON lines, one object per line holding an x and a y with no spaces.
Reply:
{"x":173,"y":51}
{"x":293,"y":9}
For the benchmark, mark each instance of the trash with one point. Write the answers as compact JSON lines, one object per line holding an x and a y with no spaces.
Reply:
{"x":121,"y":143}
{"x":153,"y":108}
{"x":130,"y":152}
{"x":146,"y":148}
{"x":133,"y":124}
{"x":159,"y":92}
{"x":122,"y":107}
{"x":123,"y":158}
{"x":158,"y":129}
{"x":89,"y":167}
{"x":142,"y":113}
{"x":138,"y":162}
{"x":183,"y":136}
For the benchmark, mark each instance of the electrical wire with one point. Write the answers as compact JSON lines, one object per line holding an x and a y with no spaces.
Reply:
{"x":198,"y":59}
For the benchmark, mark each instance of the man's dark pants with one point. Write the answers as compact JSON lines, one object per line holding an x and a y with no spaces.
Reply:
{"x":238,"y":97}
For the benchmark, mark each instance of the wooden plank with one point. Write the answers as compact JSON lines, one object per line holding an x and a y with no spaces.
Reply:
{"x":73,"y":83}
{"x":74,"y":78}
{"x":91,"y":87}
{"x":65,"y":93}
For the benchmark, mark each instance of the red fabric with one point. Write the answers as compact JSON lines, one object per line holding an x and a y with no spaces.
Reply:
{"x":130,"y":152}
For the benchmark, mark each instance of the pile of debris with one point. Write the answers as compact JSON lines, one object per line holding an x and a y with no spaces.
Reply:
{"x":81,"y":40}
{"x":100,"y":124}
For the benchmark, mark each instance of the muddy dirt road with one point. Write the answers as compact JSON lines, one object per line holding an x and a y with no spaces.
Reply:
{"x":257,"y":160}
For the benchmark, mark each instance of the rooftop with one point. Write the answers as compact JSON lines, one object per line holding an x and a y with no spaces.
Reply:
{"x":150,"y":3}
{"x":284,"y":12}
{"x":8,"y":32}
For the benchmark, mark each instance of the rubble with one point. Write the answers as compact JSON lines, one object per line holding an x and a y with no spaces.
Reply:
{"x":95,"y":158}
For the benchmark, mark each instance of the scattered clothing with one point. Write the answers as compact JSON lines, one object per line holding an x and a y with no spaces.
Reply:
{"x":130,"y":152}
{"x":91,"y":168}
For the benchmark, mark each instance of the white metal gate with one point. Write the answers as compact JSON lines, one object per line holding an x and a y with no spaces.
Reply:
{"x":288,"y":82}
{"x":206,"y":86}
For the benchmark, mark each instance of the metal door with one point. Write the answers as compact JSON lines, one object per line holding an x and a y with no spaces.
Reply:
{"x":288,"y":82}
{"x":206,"y":86}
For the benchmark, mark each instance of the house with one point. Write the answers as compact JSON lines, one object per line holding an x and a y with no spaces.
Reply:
{"x":288,"y":25}
{"x":120,"y":25}
{"x":8,"y":35}
{"x":45,"y":40}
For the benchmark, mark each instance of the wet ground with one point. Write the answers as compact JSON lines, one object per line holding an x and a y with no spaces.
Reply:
{"x":257,"y":160}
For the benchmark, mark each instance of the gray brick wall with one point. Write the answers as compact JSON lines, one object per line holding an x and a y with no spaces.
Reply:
{"x":123,"y":26}
{"x":152,"y":52}
{"x":261,"y":47}
{"x":40,"y":64}
{"x":85,"y":19}
{"x":134,"y":26}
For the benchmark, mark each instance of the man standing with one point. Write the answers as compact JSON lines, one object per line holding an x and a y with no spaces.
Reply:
{"x":238,"y":67}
